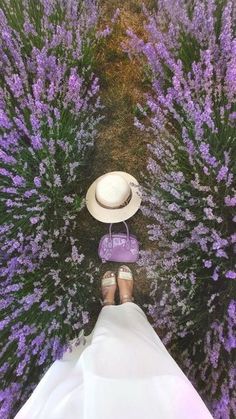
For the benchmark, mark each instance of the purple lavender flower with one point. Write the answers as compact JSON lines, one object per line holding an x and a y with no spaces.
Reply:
{"x":4,"y":120}
{"x":207,"y":263}
{"x":231,"y":274}
{"x":57,"y":180}
{"x":37,"y":182}
{"x":191,"y":68}
{"x":18,"y":180}
{"x":222,"y":175}
{"x":49,"y":110}
{"x":15,"y":84}
{"x":230,"y":201}
{"x":34,"y":220}
{"x":37,"y":142}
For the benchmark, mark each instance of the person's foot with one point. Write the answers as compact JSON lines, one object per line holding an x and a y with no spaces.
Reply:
{"x":125,"y":283}
{"x":108,"y":288}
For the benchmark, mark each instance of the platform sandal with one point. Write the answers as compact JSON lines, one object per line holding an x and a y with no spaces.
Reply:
{"x":125,"y":273}
{"x":108,"y":280}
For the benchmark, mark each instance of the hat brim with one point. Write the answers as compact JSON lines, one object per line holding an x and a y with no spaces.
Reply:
{"x":106,"y":215}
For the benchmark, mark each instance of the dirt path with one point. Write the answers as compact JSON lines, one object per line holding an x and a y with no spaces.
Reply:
{"x":119,"y":146}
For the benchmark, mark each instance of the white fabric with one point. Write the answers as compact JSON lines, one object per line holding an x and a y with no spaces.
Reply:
{"x":123,"y":372}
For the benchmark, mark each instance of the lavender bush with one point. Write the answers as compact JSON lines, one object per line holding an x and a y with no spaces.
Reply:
{"x":49,"y":110}
{"x":190,"y":193}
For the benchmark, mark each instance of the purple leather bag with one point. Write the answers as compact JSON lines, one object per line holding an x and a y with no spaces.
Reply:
{"x":118,"y":247}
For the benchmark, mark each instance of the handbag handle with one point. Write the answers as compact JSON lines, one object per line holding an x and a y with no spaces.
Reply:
{"x":127,"y":230}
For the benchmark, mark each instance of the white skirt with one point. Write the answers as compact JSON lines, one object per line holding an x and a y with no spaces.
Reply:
{"x":122,"y":372}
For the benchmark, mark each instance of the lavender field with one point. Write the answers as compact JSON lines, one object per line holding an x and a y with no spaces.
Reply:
{"x":190,"y":189}
{"x":86,"y":88}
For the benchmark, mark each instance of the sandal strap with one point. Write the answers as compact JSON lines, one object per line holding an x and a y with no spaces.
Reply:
{"x":108,"y":301}
{"x":126,"y":296}
{"x":110,"y":280}
{"x":125,"y":275}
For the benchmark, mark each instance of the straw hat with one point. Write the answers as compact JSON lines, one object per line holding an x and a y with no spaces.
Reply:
{"x":113,"y":197}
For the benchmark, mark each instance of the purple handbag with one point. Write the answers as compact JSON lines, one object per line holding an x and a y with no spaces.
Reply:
{"x":118,"y":247}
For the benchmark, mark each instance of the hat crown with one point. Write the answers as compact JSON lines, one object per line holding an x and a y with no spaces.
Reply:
{"x":112,"y":190}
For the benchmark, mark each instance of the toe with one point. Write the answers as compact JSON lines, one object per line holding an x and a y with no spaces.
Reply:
{"x":108,"y":273}
{"x":125,"y":268}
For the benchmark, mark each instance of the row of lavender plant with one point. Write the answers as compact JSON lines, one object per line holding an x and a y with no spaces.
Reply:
{"x":49,"y":110}
{"x":190,"y":193}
